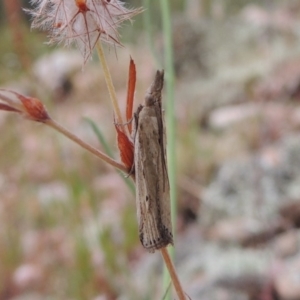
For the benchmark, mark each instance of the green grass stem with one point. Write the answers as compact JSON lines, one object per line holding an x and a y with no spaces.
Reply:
{"x":170,"y":119}
{"x":149,"y":29}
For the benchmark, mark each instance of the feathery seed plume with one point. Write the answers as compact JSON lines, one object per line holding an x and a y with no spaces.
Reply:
{"x":82,"y":22}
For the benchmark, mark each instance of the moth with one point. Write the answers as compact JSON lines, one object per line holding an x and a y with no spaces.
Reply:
{"x":151,"y":175}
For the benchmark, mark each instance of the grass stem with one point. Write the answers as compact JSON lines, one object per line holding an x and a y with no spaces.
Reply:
{"x":109,"y":83}
{"x":173,"y":274}
{"x":51,"y":123}
{"x":170,"y":116}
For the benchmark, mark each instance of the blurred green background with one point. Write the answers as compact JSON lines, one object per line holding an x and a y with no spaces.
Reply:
{"x":68,"y":222}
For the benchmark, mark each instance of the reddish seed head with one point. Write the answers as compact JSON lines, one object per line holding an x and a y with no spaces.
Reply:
{"x":30,"y":107}
{"x":57,"y":25}
{"x":81,"y":4}
{"x":35,"y":108}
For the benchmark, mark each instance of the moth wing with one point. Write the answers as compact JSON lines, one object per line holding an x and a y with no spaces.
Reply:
{"x":153,"y":201}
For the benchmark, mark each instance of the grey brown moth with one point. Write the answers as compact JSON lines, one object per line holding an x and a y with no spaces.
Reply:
{"x":151,"y":175}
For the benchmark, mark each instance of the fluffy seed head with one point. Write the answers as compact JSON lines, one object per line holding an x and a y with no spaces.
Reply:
{"x":82,"y":22}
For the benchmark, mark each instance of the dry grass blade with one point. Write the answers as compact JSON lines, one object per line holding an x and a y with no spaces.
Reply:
{"x":130,"y":93}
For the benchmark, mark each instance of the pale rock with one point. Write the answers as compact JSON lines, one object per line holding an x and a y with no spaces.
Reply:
{"x":225,"y":117}
{"x":235,"y":230}
{"x":287,"y":244}
{"x":51,"y":69}
{"x":287,"y":280}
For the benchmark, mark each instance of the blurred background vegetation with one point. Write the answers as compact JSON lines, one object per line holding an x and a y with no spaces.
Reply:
{"x":68,"y":222}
